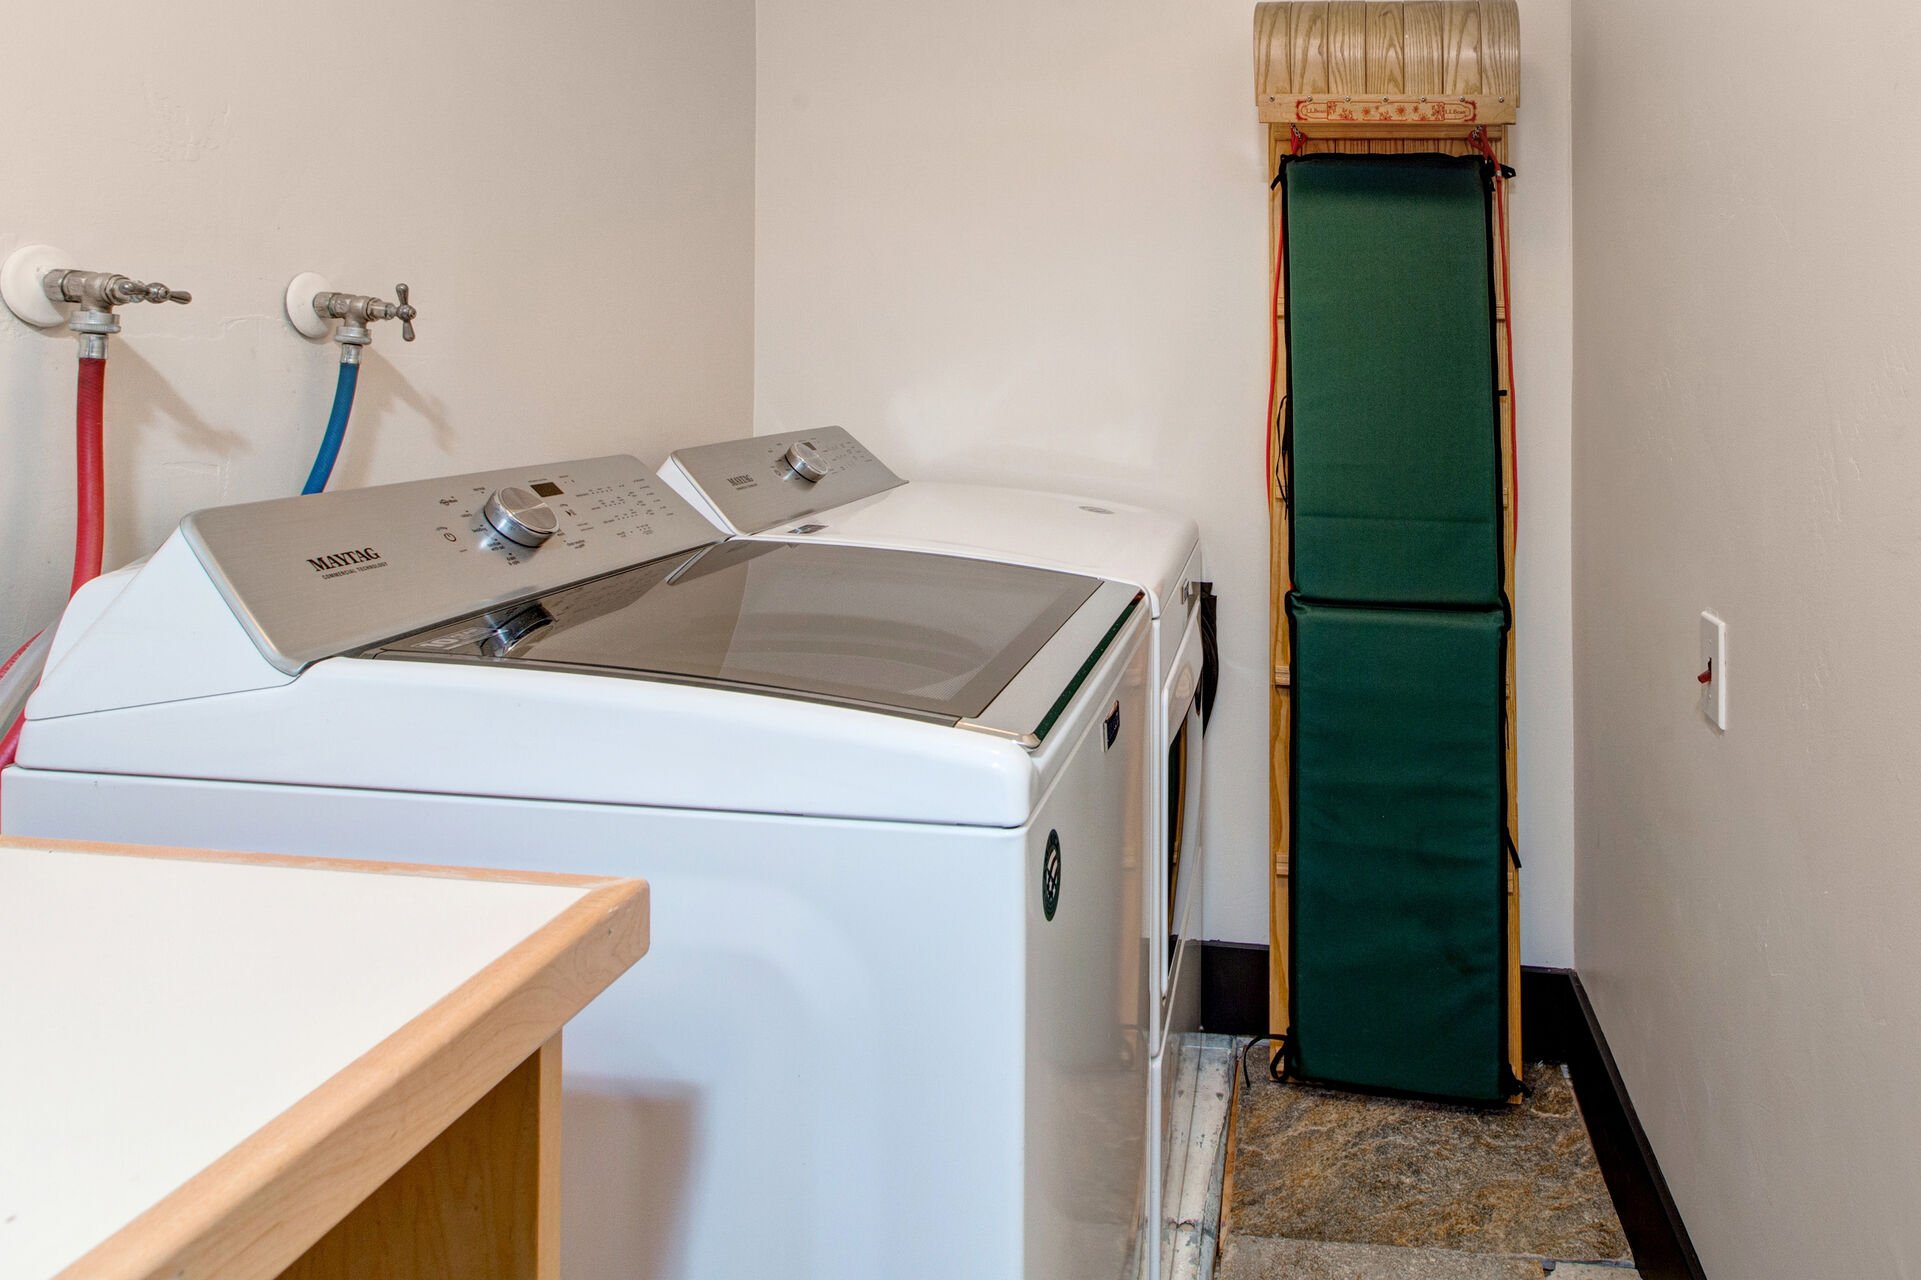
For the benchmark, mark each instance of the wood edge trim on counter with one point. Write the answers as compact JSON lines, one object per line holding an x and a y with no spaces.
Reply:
{"x":303,"y":862}
{"x":258,"y":1208}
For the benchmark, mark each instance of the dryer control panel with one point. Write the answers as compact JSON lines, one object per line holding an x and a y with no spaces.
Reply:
{"x":313,"y":577}
{"x":762,"y":484}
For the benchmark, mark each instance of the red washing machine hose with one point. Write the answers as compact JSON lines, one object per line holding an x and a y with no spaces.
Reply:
{"x":90,"y":495}
{"x":90,"y":474}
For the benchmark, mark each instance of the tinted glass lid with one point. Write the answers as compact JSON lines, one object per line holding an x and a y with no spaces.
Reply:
{"x":931,"y":635}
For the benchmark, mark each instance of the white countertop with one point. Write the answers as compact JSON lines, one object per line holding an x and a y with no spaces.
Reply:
{"x":157,"y":1010}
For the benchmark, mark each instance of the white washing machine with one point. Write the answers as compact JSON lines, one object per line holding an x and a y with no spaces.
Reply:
{"x":826,"y":486}
{"x":890,"y":804}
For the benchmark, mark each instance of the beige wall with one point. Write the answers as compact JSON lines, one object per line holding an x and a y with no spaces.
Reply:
{"x":1749,"y":441}
{"x":1024,"y":243}
{"x":514,"y":163}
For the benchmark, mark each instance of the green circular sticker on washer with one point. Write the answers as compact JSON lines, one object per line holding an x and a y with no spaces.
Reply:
{"x":1051,"y":874}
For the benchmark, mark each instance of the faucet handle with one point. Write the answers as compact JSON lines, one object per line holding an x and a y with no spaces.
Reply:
{"x":405,"y":313}
{"x":157,"y":292}
{"x":120,"y":290}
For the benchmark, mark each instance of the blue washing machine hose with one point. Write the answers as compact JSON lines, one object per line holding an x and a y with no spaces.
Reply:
{"x":323,"y":463}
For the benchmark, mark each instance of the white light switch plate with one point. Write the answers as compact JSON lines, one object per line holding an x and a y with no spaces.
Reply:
{"x":1714,"y":664}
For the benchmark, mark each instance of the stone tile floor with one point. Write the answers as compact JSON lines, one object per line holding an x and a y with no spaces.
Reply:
{"x":1335,"y":1186}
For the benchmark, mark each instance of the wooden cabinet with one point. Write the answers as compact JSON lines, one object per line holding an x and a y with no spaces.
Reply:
{"x":243,"y":1066}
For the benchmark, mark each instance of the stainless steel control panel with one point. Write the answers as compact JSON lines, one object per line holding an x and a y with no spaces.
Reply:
{"x":764,"y":483}
{"x":312,"y":577}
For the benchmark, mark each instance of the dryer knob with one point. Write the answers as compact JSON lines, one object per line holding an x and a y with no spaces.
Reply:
{"x":520,"y":516}
{"x":806,"y":461}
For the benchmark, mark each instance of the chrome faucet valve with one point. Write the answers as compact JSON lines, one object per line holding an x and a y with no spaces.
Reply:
{"x":37,"y":286}
{"x":105,"y":290}
{"x":312,"y":306}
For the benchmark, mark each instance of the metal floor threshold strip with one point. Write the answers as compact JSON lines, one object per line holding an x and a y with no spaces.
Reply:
{"x":1197,"y":1156}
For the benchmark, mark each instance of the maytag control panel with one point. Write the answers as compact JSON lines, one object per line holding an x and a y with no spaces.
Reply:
{"x":761,"y":484}
{"x":316,"y":576}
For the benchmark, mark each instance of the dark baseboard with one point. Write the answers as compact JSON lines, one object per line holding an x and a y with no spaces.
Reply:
{"x":1550,"y":1019}
{"x":1234,"y":988}
{"x":1655,"y":1231}
{"x":1558,"y":1026}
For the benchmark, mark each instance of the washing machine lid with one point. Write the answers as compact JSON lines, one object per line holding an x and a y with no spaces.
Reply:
{"x":749,"y":486}
{"x":934,"y":637}
{"x":1022,"y":526}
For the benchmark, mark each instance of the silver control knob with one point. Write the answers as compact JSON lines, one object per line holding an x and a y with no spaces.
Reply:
{"x":806,"y":461}
{"x":520,"y":516}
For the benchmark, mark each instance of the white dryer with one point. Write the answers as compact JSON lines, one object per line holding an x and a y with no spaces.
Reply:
{"x":826,"y":486}
{"x":891,"y":806}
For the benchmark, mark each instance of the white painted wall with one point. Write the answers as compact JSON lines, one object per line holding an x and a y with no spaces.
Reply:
{"x":1746,"y":403}
{"x":1025,"y":244}
{"x":569,"y":189}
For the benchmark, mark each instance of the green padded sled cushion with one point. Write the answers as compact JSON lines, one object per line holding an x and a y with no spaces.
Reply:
{"x":1397,"y":928}
{"x":1394,"y":433}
